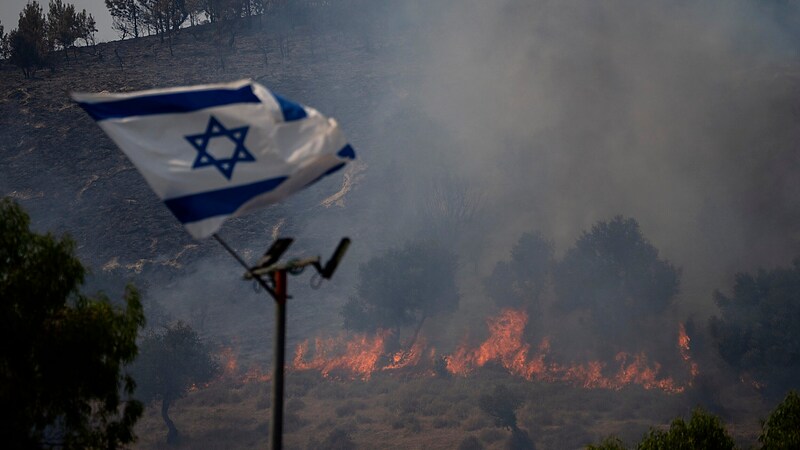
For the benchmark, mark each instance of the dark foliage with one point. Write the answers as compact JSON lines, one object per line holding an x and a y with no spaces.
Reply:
{"x":471,"y":443}
{"x":615,"y":275}
{"x":337,"y":439}
{"x":61,"y":352}
{"x":501,"y":405}
{"x":782,"y":428}
{"x":758,"y":330}
{"x":28,"y":44}
{"x":520,"y":281}
{"x":519,"y":440}
{"x":65,"y":25}
{"x":3,"y":43}
{"x":704,"y":430}
{"x":608,"y":443}
{"x":402,"y":287}
{"x":171,"y":361}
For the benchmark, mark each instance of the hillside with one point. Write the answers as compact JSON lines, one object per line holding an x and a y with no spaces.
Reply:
{"x":590,"y":139}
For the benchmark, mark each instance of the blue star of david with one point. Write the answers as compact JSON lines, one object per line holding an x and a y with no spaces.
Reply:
{"x":215,"y":129}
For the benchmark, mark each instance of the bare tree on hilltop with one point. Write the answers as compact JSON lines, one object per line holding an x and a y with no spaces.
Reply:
{"x":126,"y":16}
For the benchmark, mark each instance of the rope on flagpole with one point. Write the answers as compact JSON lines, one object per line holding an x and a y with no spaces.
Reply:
{"x":241,"y":261}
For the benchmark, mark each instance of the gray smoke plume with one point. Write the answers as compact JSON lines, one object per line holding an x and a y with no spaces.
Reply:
{"x":679,"y":114}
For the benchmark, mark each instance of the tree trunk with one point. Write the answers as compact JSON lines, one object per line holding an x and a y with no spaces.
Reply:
{"x":416,"y":332}
{"x":173,"y":437}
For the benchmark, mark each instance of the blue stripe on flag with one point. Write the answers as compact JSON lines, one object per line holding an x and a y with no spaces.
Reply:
{"x":291,"y":110}
{"x":195,"y":207}
{"x":347,"y":152}
{"x":174,"y":102}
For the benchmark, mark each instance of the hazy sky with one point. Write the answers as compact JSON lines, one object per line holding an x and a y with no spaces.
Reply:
{"x":10,"y":9}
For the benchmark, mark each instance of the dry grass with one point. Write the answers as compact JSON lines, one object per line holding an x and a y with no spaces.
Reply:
{"x":389,"y":412}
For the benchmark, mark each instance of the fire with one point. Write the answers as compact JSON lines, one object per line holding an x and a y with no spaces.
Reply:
{"x":229,"y":362}
{"x":358,"y":358}
{"x":683,"y":346}
{"x":363,"y":354}
{"x":506,"y":347}
{"x":408,"y":358}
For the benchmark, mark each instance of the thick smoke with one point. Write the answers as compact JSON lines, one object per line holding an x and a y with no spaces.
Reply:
{"x":679,"y":114}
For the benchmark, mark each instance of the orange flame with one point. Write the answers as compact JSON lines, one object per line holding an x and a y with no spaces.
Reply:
{"x":229,"y":357}
{"x":359,"y":357}
{"x":683,"y":346}
{"x":407,"y":358}
{"x":362,"y":355}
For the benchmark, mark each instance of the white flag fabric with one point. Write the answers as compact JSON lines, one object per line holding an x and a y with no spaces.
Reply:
{"x":216,"y":151}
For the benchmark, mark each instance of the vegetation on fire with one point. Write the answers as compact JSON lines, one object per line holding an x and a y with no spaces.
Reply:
{"x":417,"y":399}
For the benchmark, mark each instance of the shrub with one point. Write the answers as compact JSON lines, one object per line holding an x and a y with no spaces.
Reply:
{"x":782,"y":428}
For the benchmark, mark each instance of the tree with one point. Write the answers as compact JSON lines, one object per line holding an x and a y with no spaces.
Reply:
{"x":172,"y":360}
{"x":758,"y":330}
{"x":28,"y":45}
{"x":782,"y":428}
{"x":704,"y":430}
{"x":61,"y":352}
{"x":63,"y":27}
{"x":165,"y":17}
{"x":520,"y":281}
{"x":126,"y":17}
{"x":402,"y":287}
{"x":87,"y":27}
{"x":608,"y":443}
{"x":3,"y":43}
{"x":615,"y":274}
{"x":501,"y":405}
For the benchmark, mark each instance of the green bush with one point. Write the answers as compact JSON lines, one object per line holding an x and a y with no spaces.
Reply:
{"x":704,"y":431}
{"x":782,"y":428}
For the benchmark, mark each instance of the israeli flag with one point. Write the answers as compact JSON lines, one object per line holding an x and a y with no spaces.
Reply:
{"x":216,"y":151}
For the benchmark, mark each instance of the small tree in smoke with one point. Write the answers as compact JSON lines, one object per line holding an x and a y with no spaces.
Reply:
{"x":171,"y":361}
{"x":616,"y":275}
{"x":501,"y":405}
{"x":520,"y":281}
{"x":403,"y":287}
{"x":450,"y":205}
{"x":758,"y":330}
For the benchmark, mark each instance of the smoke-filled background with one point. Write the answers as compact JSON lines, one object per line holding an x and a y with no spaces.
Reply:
{"x":680,"y":114}
{"x":476,"y":124}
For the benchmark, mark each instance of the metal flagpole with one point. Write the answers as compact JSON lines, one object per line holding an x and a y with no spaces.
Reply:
{"x":276,"y":427}
{"x":267,"y":265}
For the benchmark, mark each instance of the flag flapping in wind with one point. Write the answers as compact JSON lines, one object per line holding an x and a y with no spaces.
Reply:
{"x":215,"y":151}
